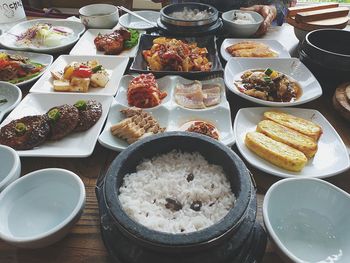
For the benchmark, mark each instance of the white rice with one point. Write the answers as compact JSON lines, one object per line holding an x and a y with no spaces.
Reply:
{"x":191,"y":14}
{"x":143,"y":194}
{"x":242,"y":18}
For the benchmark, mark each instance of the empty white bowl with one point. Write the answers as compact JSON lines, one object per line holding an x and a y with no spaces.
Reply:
{"x":12,"y":94}
{"x":39,"y":208}
{"x":241,"y":30}
{"x":10,"y":166}
{"x":130,"y":21}
{"x":99,"y":16}
{"x":308,"y":220}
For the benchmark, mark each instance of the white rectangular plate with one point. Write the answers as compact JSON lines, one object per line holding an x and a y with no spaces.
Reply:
{"x":169,"y":114}
{"x":86,"y":46}
{"x":115,"y":67}
{"x":292,"y":67}
{"x":273,"y":44}
{"x":331,"y":158}
{"x":43,"y":59}
{"x":80,"y":144}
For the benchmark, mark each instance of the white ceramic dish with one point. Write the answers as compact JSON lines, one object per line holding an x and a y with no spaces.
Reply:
{"x":169,"y":114}
{"x":130,"y":21}
{"x":12,"y":94}
{"x":43,"y":59}
{"x":10,"y":166}
{"x":8,"y":40}
{"x":40,"y":208}
{"x":80,"y":144}
{"x":86,"y":46}
{"x":241,"y":30}
{"x":292,"y":67}
{"x":331,"y":158}
{"x":308,"y":220}
{"x":99,"y":15}
{"x":273,"y":44}
{"x":115,"y":67}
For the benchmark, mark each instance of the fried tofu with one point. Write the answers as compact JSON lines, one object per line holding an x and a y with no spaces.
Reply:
{"x":303,"y":126}
{"x":251,"y":49}
{"x":288,"y":136}
{"x":275,"y":152}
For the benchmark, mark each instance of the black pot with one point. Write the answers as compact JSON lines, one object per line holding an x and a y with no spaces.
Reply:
{"x":233,"y":238}
{"x":326,"y":52}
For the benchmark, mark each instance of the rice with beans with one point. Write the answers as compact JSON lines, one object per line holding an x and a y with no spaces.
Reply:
{"x":176,"y":193}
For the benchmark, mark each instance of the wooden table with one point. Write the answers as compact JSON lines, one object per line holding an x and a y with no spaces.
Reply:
{"x":84,"y":243}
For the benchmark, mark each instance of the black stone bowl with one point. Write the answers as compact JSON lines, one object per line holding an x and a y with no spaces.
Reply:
{"x":326,"y":52}
{"x":215,"y":153}
{"x":167,"y":19}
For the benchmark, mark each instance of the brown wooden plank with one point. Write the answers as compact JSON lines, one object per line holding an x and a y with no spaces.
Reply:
{"x":317,"y":15}
{"x":292,"y":11}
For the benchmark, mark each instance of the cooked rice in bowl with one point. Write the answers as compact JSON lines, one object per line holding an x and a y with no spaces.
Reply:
{"x":176,"y":193}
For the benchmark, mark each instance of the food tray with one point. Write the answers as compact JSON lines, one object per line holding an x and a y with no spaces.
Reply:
{"x":79,"y":144}
{"x":86,"y":46}
{"x":331,"y":158}
{"x":169,"y":114}
{"x":146,"y":41}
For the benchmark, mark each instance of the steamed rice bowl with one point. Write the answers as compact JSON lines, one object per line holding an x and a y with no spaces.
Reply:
{"x":242,"y":18}
{"x":176,"y":193}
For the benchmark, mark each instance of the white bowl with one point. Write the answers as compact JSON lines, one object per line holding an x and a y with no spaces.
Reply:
{"x":130,"y":21}
{"x":10,"y":166}
{"x":241,"y":30}
{"x":12,"y":94}
{"x":99,"y":16}
{"x":308,"y":220}
{"x":40,"y":208}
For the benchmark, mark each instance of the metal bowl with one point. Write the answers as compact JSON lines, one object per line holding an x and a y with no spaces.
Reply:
{"x":169,"y":9}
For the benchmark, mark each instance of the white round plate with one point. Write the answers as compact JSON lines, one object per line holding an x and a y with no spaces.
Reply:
{"x":130,"y":21}
{"x":292,"y":67}
{"x":9,"y":39}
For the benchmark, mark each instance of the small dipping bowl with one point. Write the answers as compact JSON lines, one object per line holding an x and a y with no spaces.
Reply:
{"x":12,"y":94}
{"x":99,"y":16}
{"x":10,"y":166}
{"x":307,"y":219}
{"x":40,"y":208}
{"x":241,"y":30}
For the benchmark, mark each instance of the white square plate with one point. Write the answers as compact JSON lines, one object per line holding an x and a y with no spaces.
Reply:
{"x":292,"y":67}
{"x":331,"y":158}
{"x":80,"y":144}
{"x":169,"y":114}
{"x":273,"y":44}
{"x":115,"y":67}
{"x":86,"y":46}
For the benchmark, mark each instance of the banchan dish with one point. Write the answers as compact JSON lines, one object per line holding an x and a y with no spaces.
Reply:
{"x":226,"y":241}
{"x":146,"y":41}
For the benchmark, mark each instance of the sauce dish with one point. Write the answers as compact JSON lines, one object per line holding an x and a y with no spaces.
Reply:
{"x":10,"y":166}
{"x":41,"y":207}
{"x":308,"y":220}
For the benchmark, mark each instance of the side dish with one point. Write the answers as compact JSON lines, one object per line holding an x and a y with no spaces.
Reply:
{"x":16,"y":69}
{"x":176,"y":192}
{"x":191,"y":14}
{"x":79,"y":77}
{"x":137,"y":124}
{"x":117,"y":41}
{"x":43,"y":35}
{"x":201,"y":127}
{"x":176,"y":55}
{"x":196,"y":95}
{"x":269,"y":84}
{"x":251,"y":49}
{"x":284,"y":140}
{"x":143,"y":92}
{"x":31,"y":131}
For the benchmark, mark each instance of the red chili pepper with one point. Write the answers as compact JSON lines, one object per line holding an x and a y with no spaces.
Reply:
{"x":82,"y":72}
{"x":3,"y":63}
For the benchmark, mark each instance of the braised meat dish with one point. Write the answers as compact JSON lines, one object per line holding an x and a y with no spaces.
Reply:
{"x":113,"y":43}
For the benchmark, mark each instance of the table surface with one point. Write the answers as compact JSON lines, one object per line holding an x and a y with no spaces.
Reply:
{"x":84,"y":242}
